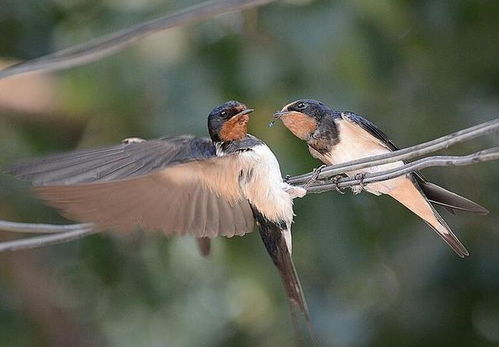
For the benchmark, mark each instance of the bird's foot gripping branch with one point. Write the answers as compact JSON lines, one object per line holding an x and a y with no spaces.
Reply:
{"x":338,"y":182}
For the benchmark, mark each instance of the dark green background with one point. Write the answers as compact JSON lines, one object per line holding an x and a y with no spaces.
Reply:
{"x":374,"y":274}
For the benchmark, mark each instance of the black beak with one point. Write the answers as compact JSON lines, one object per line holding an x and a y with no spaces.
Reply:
{"x":279,"y":114}
{"x":248,"y":110}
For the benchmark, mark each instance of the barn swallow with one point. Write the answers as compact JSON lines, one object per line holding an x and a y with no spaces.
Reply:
{"x":336,"y":137}
{"x":204,"y":187}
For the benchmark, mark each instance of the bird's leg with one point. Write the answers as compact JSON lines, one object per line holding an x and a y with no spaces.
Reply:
{"x":335,"y":180}
{"x":129,"y":140}
{"x":357,"y":189}
{"x":315,"y":176}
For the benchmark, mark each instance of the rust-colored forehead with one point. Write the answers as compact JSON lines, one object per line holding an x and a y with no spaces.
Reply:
{"x":231,"y":106}
{"x":240,"y":107}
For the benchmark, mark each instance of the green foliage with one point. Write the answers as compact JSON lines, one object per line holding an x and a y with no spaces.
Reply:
{"x":374,"y":274}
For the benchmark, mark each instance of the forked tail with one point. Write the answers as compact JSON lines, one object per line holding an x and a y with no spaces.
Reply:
{"x":408,"y":194}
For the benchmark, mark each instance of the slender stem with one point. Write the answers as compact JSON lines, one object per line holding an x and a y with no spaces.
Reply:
{"x":111,"y":43}
{"x":485,"y":155}
{"x":47,"y":240}
{"x":403,"y":154}
{"x":39,"y":228}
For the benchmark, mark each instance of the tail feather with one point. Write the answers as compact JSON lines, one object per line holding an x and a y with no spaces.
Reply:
{"x":452,"y":201}
{"x":444,"y":231}
{"x":277,"y":247}
{"x":411,"y":197}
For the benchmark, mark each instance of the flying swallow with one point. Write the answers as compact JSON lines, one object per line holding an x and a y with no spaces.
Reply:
{"x":336,"y":137}
{"x":183,"y":185}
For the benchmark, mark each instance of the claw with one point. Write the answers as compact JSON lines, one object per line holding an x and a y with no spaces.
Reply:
{"x":360,"y":177}
{"x":335,"y":180}
{"x":315,"y":176}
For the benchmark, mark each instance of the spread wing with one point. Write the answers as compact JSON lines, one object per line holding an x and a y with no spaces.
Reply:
{"x":113,"y":163}
{"x":175,"y":185}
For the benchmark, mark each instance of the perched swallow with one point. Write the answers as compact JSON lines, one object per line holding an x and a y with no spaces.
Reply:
{"x":336,"y":137}
{"x":180,"y":185}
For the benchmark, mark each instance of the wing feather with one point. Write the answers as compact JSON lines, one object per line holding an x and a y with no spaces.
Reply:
{"x":369,"y":127}
{"x":435,"y":194}
{"x":176,"y":185}
{"x":213,"y":217}
{"x":450,"y":200}
{"x":113,"y":163}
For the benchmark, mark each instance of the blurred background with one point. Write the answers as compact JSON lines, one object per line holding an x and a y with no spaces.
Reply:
{"x":373,"y":273}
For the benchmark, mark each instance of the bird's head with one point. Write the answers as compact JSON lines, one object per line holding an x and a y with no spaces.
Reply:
{"x":302,"y":117}
{"x":229,"y":121}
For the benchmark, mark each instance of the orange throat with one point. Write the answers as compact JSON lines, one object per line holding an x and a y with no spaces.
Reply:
{"x":301,"y":125}
{"x":235,"y":128}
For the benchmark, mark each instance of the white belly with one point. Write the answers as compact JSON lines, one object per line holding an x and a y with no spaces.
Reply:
{"x":264,"y":187}
{"x":351,"y":147}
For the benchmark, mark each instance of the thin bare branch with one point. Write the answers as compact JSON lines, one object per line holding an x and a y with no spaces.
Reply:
{"x":403,"y":154}
{"x":485,"y":155}
{"x":39,"y":228}
{"x":48,"y":240}
{"x":106,"y":45}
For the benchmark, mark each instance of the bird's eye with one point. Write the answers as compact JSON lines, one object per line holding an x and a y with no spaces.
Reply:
{"x":223,"y":113}
{"x":301,"y":106}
